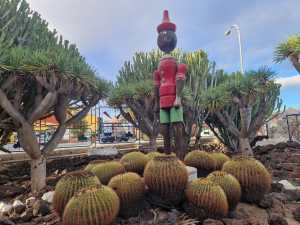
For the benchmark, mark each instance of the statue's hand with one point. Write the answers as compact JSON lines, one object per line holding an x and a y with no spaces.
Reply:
{"x":177,"y":102}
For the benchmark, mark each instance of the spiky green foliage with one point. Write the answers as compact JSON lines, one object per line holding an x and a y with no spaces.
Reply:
{"x":201,"y":160}
{"x":206,"y":199}
{"x":201,"y":76}
{"x":92,"y":206}
{"x":106,"y":170}
{"x":220,"y":158}
{"x":240,"y":105}
{"x":134,"y":162}
{"x":69,"y":185}
{"x":289,"y":49}
{"x":230,"y":186}
{"x":130,"y":188}
{"x":153,"y":154}
{"x":253,"y":177}
{"x":166,"y":176}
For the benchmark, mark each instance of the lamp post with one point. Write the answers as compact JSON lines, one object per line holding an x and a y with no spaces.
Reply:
{"x":227,"y":33}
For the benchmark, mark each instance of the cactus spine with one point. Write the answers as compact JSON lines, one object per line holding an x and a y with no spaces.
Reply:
{"x":92,"y":206}
{"x":166,"y":176}
{"x":130,"y":188}
{"x":230,"y":185}
{"x":105,"y":171}
{"x":201,"y":160}
{"x":206,"y":199}
{"x":254,"y":178}
{"x":68,"y":185}
{"x":134,"y":162}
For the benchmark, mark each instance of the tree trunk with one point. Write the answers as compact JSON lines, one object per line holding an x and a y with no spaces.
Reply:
{"x":244,"y":147}
{"x":181,"y":140}
{"x":152,"y":142}
{"x":38,"y":174}
{"x":295,"y":61}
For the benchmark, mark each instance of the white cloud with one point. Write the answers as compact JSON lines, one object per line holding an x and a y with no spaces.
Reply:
{"x":109,"y":32}
{"x":293,"y":81}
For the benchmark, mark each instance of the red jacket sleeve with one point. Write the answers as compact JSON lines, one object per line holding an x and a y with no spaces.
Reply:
{"x":181,"y":71}
{"x":156,"y":78}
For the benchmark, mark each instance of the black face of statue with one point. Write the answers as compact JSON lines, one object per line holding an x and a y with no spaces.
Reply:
{"x":167,"y":41}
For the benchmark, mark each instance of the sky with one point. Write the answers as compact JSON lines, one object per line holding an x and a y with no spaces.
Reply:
{"x":108,"y":33}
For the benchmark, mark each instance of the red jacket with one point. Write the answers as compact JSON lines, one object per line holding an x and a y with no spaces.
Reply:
{"x":165,"y":78}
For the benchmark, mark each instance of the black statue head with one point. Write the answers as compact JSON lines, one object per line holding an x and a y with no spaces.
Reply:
{"x":167,"y":40}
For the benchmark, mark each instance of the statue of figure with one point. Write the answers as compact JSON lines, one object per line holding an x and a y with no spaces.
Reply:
{"x":168,"y":82}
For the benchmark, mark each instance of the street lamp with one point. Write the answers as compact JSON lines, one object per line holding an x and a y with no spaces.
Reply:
{"x":227,"y":33}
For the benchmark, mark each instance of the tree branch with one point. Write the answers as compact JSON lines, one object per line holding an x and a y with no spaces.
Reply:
{"x":46,"y":103}
{"x":127,"y":116}
{"x":9,"y":81}
{"x":228,"y":122}
{"x":56,"y":137}
{"x":295,"y":61}
{"x":78,"y":116}
{"x":10,"y":109}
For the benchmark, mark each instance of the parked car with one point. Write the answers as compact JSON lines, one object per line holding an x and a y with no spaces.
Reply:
{"x":107,"y":137}
{"x":17,"y":144}
{"x":123,"y":137}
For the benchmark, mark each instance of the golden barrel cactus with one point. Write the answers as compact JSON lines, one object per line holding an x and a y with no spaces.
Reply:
{"x":134,"y":162}
{"x":254,"y":178}
{"x":230,"y":186}
{"x":106,"y":170}
{"x":166,"y":176}
{"x":92,"y":164}
{"x":201,"y":160}
{"x":220,"y":158}
{"x":68,"y":185}
{"x":92,"y":206}
{"x":206,"y":199}
{"x":153,"y":154}
{"x":130,"y":188}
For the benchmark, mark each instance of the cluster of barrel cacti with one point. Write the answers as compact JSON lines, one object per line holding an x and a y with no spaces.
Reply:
{"x":206,"y":199}
{"x":201,"y":160}
{"x":106,"y":170}
{"x":69,"y":185}
{"x":165,"y":176}
{"x":92,"y":206}
{"x":130,"y":188}
{"x":135,"y":162}
{"x":254,"y":178}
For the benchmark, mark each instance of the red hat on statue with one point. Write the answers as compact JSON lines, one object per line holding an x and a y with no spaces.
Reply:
{"x":166,"y":24}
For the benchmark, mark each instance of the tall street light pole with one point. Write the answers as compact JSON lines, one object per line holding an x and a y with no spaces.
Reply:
{"x":228,"y":32}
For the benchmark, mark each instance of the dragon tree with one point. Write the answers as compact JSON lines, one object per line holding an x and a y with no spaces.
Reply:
{"x":290,"y":49}
{"x":41,"y":75}
{"x":240,"y":105}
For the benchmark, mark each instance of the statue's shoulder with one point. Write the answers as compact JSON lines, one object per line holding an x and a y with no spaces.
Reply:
{"x":168,"y":58}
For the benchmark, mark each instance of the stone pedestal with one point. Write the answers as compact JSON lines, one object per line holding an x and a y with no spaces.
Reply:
{"x":192,"y":172}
